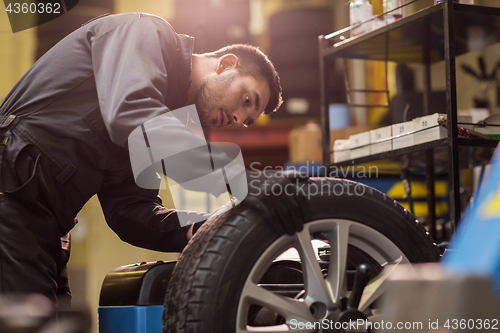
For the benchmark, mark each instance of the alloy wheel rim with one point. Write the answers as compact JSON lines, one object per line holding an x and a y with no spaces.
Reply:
{"x":319,"y":290}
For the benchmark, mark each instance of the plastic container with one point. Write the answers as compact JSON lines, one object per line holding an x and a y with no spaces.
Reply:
{"x":339,"y":115}
{"x":393,"y":15}
{"x":360,"y":11}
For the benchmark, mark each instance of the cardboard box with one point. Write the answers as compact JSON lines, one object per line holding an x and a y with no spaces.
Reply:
{"x":305,"y":144}
{"x":305,"y":141}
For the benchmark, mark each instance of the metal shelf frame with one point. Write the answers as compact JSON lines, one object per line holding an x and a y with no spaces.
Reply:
{"x":434,"y":34}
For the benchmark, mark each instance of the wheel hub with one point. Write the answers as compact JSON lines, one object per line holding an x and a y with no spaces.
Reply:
{"x":348,"y":319}
{"x":318,"y":310}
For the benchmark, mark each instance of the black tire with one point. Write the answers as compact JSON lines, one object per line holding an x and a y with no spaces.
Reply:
{"x":205,"y":289}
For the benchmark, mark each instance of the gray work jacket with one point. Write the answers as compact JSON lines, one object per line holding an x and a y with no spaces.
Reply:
{"x":78,"y":104}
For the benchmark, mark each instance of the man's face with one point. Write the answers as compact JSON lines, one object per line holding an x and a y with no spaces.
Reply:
{"x":230,"y":98}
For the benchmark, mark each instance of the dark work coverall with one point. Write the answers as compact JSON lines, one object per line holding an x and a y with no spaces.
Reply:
{"x":63,"y":138}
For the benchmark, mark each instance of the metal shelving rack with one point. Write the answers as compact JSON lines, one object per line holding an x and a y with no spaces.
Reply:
{"x":434,"y":34}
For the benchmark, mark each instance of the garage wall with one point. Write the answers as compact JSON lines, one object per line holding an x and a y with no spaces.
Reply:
{"x":16,"y":53}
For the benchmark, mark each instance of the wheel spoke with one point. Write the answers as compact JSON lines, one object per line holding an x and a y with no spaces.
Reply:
{"x":377,"y":286}
{"x":339,"y":238}
{"x":314,"y":282}
{"x":287,"y":307}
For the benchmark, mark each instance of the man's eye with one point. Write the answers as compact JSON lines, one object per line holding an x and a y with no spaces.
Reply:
{"x":247,"y":100}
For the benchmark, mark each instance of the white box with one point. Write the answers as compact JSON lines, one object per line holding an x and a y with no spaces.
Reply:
{"x":341,"y":150}
{"x":360,"y":139}
{"x":339,"y":145}
{"x":427,"y":121}
{"x":342,"y":155}
{"x":427,"y":128}
{"x":401,"y":129}
{"x":476,"y":115}
{"x":381,"y":134}
{"x":381,"y":147}
{"x":360,"y":152}
{"x":403,"y":141}
{"x":402,"y":135}
{"x":432,"y":120}
{"x":492,"y":131}
{"x":381,"y":139}
{"x":463,"y":120}
{"x":430,"y":134}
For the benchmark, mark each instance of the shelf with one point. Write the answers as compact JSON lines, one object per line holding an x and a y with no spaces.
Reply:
{"x":477,"y":142}
{"x":406,"y":37}
{"x":438,"y":33}
{"x":392,"y":153}
{"x":416,"y":148}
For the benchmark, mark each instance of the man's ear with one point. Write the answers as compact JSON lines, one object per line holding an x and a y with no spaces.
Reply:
{"x":227,"y":61}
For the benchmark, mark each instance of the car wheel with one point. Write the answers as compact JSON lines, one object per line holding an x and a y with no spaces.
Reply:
{"x":223,"y":281}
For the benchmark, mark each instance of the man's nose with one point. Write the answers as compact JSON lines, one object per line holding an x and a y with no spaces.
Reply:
{"x":239,"y":117}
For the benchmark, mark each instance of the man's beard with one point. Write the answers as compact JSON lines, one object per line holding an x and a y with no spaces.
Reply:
{"x":210,"y":93}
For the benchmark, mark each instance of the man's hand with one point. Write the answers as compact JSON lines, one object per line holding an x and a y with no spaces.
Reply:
{"x":189,"y":233}
{"x":282,"y":204}
{"x":192,"y":230}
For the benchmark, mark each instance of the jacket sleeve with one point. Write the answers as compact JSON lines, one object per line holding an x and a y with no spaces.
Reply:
{"x":130,"y":63}
{"x":137,"y":216}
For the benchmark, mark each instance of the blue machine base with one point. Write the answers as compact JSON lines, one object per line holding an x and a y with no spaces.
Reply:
{"x":130,"y":319}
